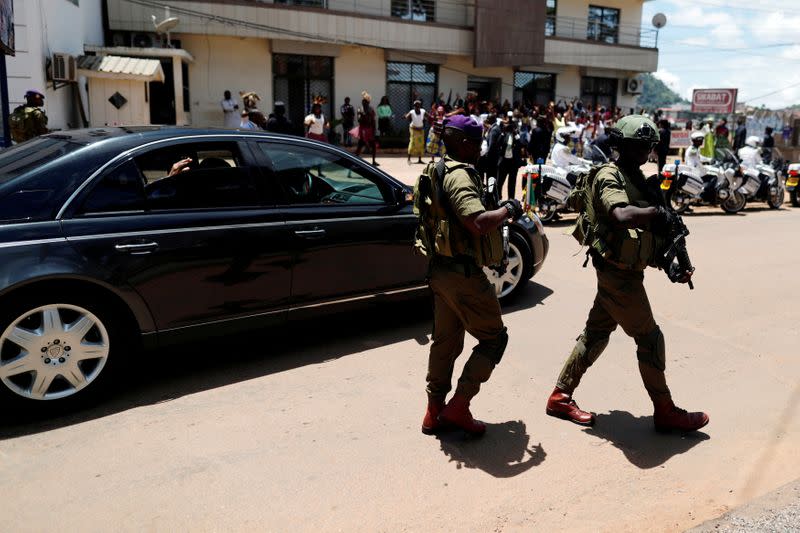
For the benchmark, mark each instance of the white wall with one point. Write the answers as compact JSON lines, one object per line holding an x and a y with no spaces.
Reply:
{"x":226,"y":63}
{"x":359,"y":69}
{"x":43,"y":27}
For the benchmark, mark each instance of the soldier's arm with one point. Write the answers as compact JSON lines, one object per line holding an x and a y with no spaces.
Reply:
{"x":466,"y":203}
{"x":614,"y":201}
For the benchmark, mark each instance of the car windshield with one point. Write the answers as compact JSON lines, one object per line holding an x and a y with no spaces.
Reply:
{"x":22,"y":158}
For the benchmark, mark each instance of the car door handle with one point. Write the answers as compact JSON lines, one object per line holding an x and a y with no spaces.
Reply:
{"x":137,"y":248}
{"x":310,"y":233}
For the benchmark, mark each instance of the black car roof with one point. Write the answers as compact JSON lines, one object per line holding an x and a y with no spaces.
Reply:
{"x":127,"y":137}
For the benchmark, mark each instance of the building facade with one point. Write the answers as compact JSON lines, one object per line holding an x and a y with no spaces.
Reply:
{"x":292,"y":50}
{"x":42,"y":29}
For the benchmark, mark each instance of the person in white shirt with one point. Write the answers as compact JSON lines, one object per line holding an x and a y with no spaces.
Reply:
{"x":315,"y":124}
{"x":416,"y":128}
{"x":750,"y":153}
{"x":230,"y":113}
{"x":692,"y":157}
{"x":561,"y":154}
{"x":244,"y":123}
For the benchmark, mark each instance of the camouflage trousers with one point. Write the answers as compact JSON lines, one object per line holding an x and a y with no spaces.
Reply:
{"x":621,"y":300}
{"x":464,"y":301}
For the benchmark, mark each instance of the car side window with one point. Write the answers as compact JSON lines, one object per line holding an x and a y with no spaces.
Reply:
{"x":198,"y":176}
{"x":313,"y":176}
{"x":121,"y":189}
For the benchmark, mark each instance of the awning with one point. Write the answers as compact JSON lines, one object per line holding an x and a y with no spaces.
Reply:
{"x":120,"y":68}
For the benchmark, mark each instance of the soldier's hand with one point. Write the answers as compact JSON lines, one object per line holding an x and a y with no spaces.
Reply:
{"x":663,"y":221}
{"x":514,"y":208}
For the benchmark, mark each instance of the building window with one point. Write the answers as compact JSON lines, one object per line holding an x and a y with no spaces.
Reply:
{"x":550,"y":20}
{"x":534,"y":88}
{"x":297,"y":80}
{"x":406,"y":82}
{"x":599,"y":92}
{"x":417,"y":10}
{"x":603,"y":24}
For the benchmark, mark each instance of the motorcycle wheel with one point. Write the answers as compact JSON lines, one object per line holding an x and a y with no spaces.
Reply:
{"x":793,"y":197}
{"x":547,"y":211}
{"x":735,"y":203}
{"x":678,"y":207}
{"x":776,"y":201}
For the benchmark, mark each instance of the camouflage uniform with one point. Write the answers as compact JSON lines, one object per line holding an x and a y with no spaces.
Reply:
{"x":27,"y":122}
{"x":621,"y":297}
{"x":464,"y":298}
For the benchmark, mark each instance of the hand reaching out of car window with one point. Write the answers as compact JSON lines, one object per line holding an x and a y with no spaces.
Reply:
{"x":180,"y":166}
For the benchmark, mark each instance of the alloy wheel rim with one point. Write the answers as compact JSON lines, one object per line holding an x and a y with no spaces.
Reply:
{"x":52,"y":352}
{"x":507,"y":282}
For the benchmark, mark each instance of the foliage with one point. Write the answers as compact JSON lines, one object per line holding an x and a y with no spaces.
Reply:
{"x":655,"y":94}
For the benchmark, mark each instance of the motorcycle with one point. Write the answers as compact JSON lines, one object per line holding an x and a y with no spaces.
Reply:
{"x":551,"y":185}
{"x":764,"y":182}
{"x":714,"y":184}
{"x":792,"y":181}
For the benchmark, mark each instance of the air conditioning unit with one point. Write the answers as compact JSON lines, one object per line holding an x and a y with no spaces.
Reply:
{"x":145,"y":40}
{"x":120,"y":38}
{"x":63,"y":67}
{"x":634,"y":86}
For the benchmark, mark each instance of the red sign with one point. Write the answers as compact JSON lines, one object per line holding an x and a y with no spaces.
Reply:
{"x":721,"y":101}
{"x":680,"y":139}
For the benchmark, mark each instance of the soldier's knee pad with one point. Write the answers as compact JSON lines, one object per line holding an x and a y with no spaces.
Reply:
{"x":494,"y":348}
{"x":592,"y":345}
{"x":651,"y":349}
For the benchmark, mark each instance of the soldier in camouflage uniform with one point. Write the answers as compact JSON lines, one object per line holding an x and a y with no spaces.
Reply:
{"x":29,"y":120}
{"x":625,"y":223}
{"x":460,"y":236}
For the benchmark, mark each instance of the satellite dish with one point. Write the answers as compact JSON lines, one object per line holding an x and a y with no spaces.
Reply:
{"x":166,"y":25}
{"x":659,"y":20}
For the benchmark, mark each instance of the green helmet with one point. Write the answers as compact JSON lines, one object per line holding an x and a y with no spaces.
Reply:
{"x":635,"y":128}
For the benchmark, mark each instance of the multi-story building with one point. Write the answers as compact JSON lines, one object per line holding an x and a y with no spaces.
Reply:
{"x":44,"y":29}
{"x":291,"y":50}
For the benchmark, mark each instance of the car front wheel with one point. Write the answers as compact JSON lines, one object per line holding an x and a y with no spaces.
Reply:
{"x":520,"y":262}
{"x":54,"y":351}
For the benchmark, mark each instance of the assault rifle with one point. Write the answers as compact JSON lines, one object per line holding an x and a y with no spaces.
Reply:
{"x":491,"y":201}
{"x":676,"y":249}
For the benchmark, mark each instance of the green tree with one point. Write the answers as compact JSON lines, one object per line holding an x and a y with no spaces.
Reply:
{"x":656,"y":94}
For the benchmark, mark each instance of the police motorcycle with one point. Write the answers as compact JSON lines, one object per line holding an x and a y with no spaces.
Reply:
{"x":552,"y":184}
{"x":701,"y":181}
{"x":760,"y":181}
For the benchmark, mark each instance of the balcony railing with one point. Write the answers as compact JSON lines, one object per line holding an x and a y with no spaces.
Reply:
{"x":586,"y":30}
{"x":449,"y":12}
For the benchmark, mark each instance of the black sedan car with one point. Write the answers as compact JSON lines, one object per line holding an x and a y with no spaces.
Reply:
{"x":104,"y":247}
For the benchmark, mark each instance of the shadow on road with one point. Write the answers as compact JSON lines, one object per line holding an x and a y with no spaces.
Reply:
{"x":641,"y":444}
{"x":166,"y":374}
{"x":532,"y":295}
{"x":503,"y":452}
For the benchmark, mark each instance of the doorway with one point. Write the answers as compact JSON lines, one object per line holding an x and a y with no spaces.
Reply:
{"x":297,"y":80}
{"x":486,"y":88}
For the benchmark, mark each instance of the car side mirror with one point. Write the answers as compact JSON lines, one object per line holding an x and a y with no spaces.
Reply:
{"x":404,"y":197}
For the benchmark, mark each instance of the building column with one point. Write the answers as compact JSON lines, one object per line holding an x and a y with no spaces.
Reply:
{"x":177,"y":76}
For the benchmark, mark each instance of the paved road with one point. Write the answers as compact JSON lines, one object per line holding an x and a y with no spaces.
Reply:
{"x":318,"y":429}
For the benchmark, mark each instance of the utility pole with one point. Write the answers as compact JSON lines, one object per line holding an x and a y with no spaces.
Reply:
{"x":6,"y":140}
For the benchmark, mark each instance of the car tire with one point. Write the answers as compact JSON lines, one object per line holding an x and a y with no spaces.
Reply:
{"x":60,"y":350}
{"x":520,"y":269}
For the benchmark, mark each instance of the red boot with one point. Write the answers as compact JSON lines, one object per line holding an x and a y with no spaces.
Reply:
{"x":431,"y":424}
{"x":667,"y":417}
{"x":457,"y":413}
{"x":561,"y":405}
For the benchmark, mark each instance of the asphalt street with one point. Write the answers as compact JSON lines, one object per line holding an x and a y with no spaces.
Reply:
{"x":316,"y":428}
